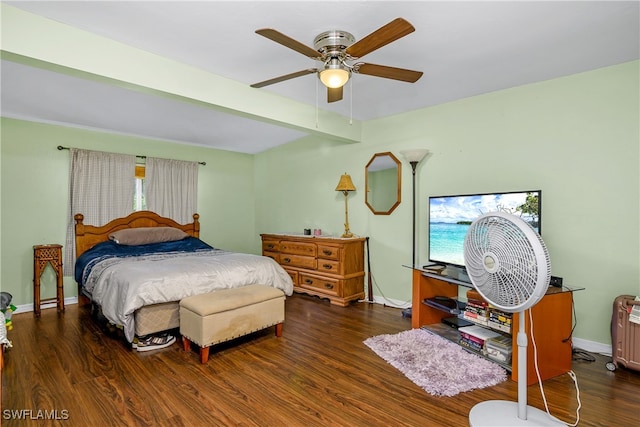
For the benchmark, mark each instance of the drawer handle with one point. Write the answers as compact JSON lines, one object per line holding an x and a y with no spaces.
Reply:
{"x":327,"y":266}
{"x":287,"y":260}
{"x":308,"y":281}
{"x":328,"y":285}
{"x":327,"y":252}
{"x":270,"y":246}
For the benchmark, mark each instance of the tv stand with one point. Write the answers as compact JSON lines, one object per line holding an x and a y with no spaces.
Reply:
{"x":552,"y":318}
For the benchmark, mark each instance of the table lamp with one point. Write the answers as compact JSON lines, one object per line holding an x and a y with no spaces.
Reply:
{"x":345,"y":185}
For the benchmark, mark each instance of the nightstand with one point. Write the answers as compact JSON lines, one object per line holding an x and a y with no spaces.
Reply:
{"x":43,"y":255}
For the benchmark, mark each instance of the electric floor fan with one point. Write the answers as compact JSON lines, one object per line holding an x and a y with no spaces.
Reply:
{"x":508,"y":264}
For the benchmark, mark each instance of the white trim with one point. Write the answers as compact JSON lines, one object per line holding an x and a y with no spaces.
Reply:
{"x":390,"y":302}
{"x":591,"y":346}
{"x":29,"y":307}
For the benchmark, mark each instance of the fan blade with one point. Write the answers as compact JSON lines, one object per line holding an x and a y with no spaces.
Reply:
{"x":334,"y":94}
{"x":285,"y":77}
{"x":287,"y":41}
{"x":389,"y":72}
{"x":382,"y":36}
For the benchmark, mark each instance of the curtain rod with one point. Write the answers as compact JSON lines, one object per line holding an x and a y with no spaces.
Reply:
{"x":60,"y":147}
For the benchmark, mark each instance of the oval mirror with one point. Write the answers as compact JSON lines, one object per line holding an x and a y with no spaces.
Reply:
{"x":382,"y":182}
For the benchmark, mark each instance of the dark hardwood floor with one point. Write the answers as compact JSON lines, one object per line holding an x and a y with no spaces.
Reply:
{"x":319,"y":373}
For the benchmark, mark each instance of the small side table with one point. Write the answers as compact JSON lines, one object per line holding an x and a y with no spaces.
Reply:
{"x":43,"y":255}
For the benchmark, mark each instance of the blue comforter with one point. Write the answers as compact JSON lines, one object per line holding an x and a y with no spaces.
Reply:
{"x":111,"y":249}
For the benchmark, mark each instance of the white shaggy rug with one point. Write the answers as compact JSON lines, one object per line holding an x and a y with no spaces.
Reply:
{"x":440,"y":367}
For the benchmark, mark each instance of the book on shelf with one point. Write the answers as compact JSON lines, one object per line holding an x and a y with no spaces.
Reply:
{"x":470,"y":344}
{"x":500,"y":320}
{"x":480,"y":305}
{"x":475,"y":318}
{"x":479,"y":332}
{"x":481,"y":312}
{"x":473,"y":295}
{"x":499,"y":327}
{"x":501,"y":316}
{"x":471,"y":339}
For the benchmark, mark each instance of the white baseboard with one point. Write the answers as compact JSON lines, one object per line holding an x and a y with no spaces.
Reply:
{"x":24,"y":308}
{"x":391,"y":302}
{"x":591,"y":346}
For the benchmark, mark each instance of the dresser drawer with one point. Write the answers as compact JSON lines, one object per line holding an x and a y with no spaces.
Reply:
{"x":294,"y":275}
{"x":323,"y":284}
{"x":328,"y":252}
{"x":270,"y":246}
{"x":298,"y":248}
{"x":274,"y":255}
{"x":326,"y":267}
{"x":329,"y":266}
{"x":298,"y":261}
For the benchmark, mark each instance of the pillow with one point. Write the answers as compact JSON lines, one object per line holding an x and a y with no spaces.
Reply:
{"x":147,"y":235}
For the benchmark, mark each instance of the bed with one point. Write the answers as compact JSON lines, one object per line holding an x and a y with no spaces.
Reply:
{"x":136,"y":269}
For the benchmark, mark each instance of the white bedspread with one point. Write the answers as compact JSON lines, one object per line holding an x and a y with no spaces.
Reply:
{"x":123,"y":285}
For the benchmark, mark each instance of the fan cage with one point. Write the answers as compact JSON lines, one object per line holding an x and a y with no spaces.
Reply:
{"x":507,"y":261}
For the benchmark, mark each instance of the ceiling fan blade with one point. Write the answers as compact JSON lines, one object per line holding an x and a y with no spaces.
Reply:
{"x":389,"y":72}
{"x":285,"y":77}
{"x":287,"y":41}
{"x":334,"y":94}
{"x":382,"y":36}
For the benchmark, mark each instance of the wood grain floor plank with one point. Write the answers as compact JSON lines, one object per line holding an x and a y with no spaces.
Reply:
{"x":319,"y":373}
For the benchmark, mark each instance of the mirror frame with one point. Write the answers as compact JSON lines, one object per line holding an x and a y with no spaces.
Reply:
{"x":366,"y":182}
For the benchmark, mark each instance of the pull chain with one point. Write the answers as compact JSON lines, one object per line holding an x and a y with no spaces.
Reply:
{"x":350,"y":102}
{"x":317,"y":104}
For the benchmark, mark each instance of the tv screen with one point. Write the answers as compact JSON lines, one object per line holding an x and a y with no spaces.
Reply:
{"x":451,"y":216}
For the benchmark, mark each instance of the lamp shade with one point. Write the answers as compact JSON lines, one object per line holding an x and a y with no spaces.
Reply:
{"x":345,"y":184}
{"x":415,"y":155}
{"x":334,"y":75}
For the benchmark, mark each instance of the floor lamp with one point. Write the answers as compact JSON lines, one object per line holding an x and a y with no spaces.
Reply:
{"x":414,"y":157}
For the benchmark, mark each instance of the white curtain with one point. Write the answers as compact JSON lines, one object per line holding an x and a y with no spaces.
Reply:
{"x":101,"y":187}
{"x":171,"y":188}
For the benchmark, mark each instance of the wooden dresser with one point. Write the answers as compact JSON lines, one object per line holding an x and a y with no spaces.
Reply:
{"x":326,"y":267}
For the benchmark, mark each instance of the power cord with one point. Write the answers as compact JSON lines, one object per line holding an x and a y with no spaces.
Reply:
{"x":582,"y":355}
{"x":406,"y":304}
{"x":577,"y":354}
{"x":570,"y":373}
{"x":575,"y":320}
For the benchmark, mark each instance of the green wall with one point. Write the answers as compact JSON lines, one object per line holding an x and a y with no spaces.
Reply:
{"x":576,"y":138}
{"x":35,"y":200}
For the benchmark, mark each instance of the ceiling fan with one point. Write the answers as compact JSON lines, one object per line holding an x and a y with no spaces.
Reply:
{"x":338,"y":51}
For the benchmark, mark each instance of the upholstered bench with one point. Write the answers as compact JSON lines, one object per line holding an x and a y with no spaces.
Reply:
{"x":226,"y":314}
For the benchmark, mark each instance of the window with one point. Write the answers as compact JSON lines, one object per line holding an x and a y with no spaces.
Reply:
{"x":139,"y":202}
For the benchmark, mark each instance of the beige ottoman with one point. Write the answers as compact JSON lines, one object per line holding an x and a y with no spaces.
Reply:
{"x":229,"y":313}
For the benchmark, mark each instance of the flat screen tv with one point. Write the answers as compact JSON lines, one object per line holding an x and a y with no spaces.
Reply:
{"x":451,"y":216}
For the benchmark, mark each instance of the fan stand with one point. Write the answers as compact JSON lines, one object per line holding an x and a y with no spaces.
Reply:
{"x":494,"y":413}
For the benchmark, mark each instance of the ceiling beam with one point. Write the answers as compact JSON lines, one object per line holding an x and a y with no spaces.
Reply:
{"x":36,"y":41}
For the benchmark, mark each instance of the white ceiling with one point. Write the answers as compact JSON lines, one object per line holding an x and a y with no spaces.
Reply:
{"x":463,"y":48}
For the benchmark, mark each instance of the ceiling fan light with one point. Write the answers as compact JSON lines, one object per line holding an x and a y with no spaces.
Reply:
{"x":334,"y":75}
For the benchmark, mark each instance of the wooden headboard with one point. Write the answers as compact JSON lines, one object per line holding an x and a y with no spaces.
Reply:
{"x":88,"y":236}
